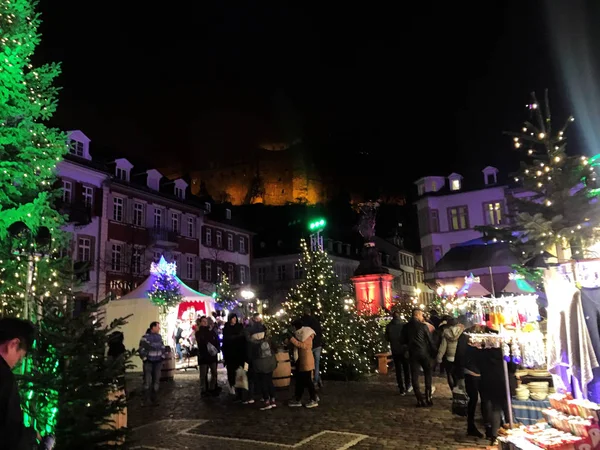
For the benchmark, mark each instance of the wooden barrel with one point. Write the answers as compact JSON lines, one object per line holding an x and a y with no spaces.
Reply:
{"x":168,"y":366}
{"x":283,"y":373}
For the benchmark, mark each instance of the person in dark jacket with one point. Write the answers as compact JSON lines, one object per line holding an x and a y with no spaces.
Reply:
{"x":234,"y":348}
{"x":467,"y":372}
{"x":255,"y":325}
{"x":416,"y":336}
{"x":208,"y":351}
{"x":393,"y":334}
{"x":152,"y":351}
{"x":16,"y":338}
{"x":308,"y":320}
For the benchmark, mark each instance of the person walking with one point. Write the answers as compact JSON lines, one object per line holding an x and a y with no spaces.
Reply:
{"x":416,"y":336}
{"x":208,"y":351}
{"x":305,"y":364}
{"x":393,"y":334}
{"x":310,"y":321}
{"x":447,"y":350}
{"x":16,"y":338}
{"x":234,"y":348}
{"x":152,"y":351}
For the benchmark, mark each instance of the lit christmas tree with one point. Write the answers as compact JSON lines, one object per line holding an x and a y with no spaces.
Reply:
{"x":557,"y":206}
{"x":165,"y":292}
{"x":343,"y":329}
{"x":224,"y":296}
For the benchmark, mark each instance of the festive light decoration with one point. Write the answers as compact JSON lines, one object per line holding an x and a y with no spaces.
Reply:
{"x":224,"y":295}
{"x":165,"y":291}
{"x":555,"y":206}
{"x":350,"y":340}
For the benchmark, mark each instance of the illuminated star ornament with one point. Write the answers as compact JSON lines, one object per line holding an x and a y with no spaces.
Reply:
{"x":163,"y":267}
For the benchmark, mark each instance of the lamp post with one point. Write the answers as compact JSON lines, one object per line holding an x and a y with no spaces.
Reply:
{"x":247,"y":295}
{"x":316,"y":239}
{"x":33,"y":247}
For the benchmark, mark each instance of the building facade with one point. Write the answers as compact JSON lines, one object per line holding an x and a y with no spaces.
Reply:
{"x":449,"y":208}
{"x":122,"y":219}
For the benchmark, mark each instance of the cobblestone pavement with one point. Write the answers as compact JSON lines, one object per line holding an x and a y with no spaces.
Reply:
{"x":357,"y":415}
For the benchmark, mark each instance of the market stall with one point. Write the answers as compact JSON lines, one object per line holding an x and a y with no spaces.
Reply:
{"x":143,"y":310}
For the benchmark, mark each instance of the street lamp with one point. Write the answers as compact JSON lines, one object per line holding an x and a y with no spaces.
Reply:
{"x":316,"y":239}
{"x":247,"y":294}
{"x":32,"y":246}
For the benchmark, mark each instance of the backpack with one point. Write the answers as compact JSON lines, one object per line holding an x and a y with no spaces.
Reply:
{"x":264,"y":351}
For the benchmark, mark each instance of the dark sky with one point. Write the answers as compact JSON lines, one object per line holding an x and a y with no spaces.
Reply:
{"x":420,"y":88}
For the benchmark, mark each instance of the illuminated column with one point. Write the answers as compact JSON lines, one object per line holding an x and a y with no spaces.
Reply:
{"x":373,"y":292}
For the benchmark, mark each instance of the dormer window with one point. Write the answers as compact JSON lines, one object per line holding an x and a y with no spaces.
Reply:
{"x":180,"y":188}
{"x":76,"y":148}
{"x":121,"y":174}
{"x":455,"y":186}
{"x":490,"y":175}
{"x":122,"y":169}
{"x":207,"y":207}
{"x":455,"y":181}
{"x":228,"y":214}
{"x":178,"y":192}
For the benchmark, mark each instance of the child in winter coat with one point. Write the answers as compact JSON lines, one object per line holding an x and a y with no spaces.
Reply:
{"x":305,"y":364}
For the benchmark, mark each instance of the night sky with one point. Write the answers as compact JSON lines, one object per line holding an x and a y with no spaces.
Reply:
{"x":408,"y":90}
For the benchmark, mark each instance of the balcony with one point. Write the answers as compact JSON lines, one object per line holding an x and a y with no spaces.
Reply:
{"x":79,"y":213}
{"x":164,"y":236}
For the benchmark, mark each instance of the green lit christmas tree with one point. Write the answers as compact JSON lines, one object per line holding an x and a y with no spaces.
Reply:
{"x":343,"y":329}
{"x":224,"y":295}
{"x":555,"y":206}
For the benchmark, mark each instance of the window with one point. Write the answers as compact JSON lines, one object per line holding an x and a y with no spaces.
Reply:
{"x":298,"y":272}
{"x":421,"y":189}
{"x":178,"y":192}
{"x":115,"y":261}
{"x":231,"y":272}
{"x":121,"y":174}
{"x":242,"y":245}
{"x":242,"y":274}
{"x":157,"y":218}
{"x":190,"y":227}
{"x":138,"y":214}
{"x":118,"y":209}
{"x":434,"y":221}
{"x":230,"y":242}
{"x":136,"y":260}
{"x":207,"y":207}
{"x":455,"y":184}
{"x":67,"y":194}
{"x":175,"y":222}
{"x":458,"y":218}
{"x":190,"y":267}
{"x":262,"y":275}
{"x":219,"y":237}
{"x":493,"y":213}
{"x":281,"y":273}
{"x":228,"y":214}
{"x":208,"y":237}
{"x":87,"y":193}
{"x":76,"y":148}
{"x":84,"y":249}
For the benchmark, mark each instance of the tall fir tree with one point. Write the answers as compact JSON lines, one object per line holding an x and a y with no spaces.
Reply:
{"x":343,"y":329}
{"x":556,"y":205}
{"x":224,"y":295}
{"x":67,"y":379}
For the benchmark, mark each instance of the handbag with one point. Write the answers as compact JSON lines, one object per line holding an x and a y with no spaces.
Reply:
{"x":241,"y":379}
{"x":212,"y":350}
{"x":460,"y":402}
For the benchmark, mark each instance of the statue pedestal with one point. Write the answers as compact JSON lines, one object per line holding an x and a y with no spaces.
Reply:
{"x":373,"y":292}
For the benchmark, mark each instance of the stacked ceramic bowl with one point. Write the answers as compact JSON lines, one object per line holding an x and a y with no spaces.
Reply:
{"x":538,"y":390}
{"x":522,"y":392}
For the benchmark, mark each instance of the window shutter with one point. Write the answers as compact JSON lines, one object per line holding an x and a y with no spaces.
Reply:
{"x":236,"y":243}
{"x":203,"y":236}
{"x":215,"y":264}
{"x":92,"y":252}
{"x":202,"y":269}
{"x":77,"y":193}
{"x":98,"y":202}
{"x":248,"y":276}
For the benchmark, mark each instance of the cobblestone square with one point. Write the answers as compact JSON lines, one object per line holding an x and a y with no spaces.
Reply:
{"x":357,"y":415}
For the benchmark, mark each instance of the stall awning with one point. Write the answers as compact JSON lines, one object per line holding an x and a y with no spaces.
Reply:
{"x":187,"y":292}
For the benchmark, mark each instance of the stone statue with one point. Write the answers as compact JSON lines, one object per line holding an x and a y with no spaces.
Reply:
{"x":368,"y":215}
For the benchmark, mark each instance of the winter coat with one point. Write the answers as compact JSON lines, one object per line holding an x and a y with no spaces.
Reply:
{"x":393,"y":334}
{"x":465,"y":359}
{"x":152,"y":348}
{"x":313,"y":322}
{"x":234,"y":345}
{"x":491,"y":365}
{"x":204,"y":336}
{"x":449,"y":342}
{"x":305,"y":362}
{"x":262,"y":363}
{"x":417,"y":337}
{"x":253,"y":328}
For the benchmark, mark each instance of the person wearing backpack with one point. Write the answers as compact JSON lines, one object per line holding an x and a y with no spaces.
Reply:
{"x":208,"y":350}
{"x":264,"y":363}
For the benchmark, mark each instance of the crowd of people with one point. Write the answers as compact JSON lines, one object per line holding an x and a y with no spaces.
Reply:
{"x":249,"y":356}
{"x":423,"y":343}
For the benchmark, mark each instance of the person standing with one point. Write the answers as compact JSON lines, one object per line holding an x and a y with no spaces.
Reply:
{"x":234,"y":348}
{"x":263,"y":364}
{"x":208,"y":351}
{"x":310,"y":321}
{"x":16,"y":338}
{"x":393,"y":334}
{"x":177,"y":336}
{"x":447,"y":349}
{"x":255,"y":325}
{"x":305,"y":364}
{"x":416,"y":336}
{"x":152,"y":351}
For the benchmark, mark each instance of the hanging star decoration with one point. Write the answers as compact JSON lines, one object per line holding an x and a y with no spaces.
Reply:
{"x":165,"y":288}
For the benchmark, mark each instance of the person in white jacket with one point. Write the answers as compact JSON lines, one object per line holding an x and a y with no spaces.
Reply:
{"x":447,"y":349}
